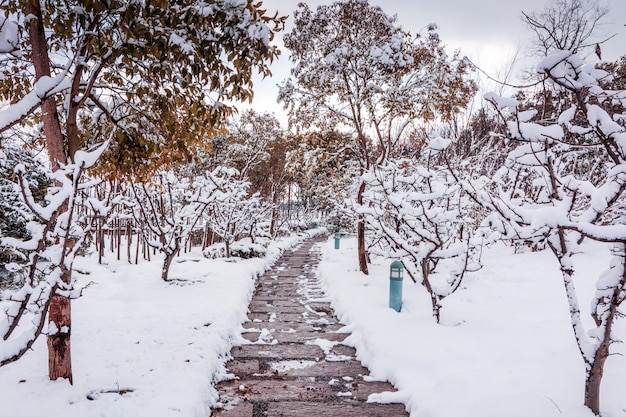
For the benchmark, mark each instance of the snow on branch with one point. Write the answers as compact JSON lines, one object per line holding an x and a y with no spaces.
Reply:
{"x":44,"y":88}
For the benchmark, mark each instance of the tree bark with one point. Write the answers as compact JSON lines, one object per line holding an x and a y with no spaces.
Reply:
{"x":595,"y":373}
{"x":41,"y":62}
{"x":360,"y":234}
{"x":594,"y":379}
{"x":59,"y":353}
{"x":167,"y":262}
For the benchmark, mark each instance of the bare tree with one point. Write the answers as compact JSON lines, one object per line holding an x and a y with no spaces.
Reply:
{"x":567,"y":25}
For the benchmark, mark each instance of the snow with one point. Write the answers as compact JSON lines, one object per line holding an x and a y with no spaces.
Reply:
{"x":45,"y":87}
{"x":501,"y":102}
{"x":142,"y":346}
{"x":554,"y":59}
{"x":9,"y":37}
{"x":86,"y":159}
{"x":504,"y":346}
{"x":439,"y":144}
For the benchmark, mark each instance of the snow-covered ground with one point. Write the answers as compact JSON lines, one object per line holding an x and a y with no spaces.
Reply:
{"x":160,"y":344}
{"x":504,"y":348}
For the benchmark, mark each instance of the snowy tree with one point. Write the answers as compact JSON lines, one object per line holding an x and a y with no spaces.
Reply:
{"x":168,"y":211}
{"x":420,"y":215}
{"x":56,"y":233}
{"x":256,"y":146}
{"x":539,"y":197}
{"x":323,"y":169}
{"x":567,"y":25}
{"x":232,"y":211}
{"x":156,"y":75}
{"x":249,"y":140}
{"x":14,"y":214}
{"x":373,"y":79}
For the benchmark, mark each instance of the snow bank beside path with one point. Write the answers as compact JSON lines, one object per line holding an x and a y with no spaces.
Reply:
{"x":505,"y":346}
{"x":141,"y":346}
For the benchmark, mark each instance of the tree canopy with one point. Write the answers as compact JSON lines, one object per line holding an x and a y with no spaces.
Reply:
{"x":159,"y":76}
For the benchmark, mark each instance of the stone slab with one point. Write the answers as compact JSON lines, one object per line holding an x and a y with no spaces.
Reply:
{"x":280,"y":351}
{"x":274,"y":294}
{"x":243,"y":367}
{"x":264,"y":307}
{"x":321,"y":308}
{"x":280,"y":390}
{"x":290,"y":300}
{"x":343,"y":350}
{"x":295,"y":337}
{"x":284,"y":317}
{"x":308,"y":409}
{"x":361,"y":390}
{"x":303,"y":337}
{"x":323,"y":370}
{"x":280,"y":326}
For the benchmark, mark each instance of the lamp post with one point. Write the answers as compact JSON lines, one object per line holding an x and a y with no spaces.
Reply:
{"x":396,"y":275}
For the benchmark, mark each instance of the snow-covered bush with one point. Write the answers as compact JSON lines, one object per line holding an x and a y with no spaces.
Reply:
{"x":169,"y":210}
{"x":14,"y":214}
{"x":243,"y":249}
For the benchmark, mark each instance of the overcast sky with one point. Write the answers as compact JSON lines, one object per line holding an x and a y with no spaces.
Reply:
{"x":489,"y":32}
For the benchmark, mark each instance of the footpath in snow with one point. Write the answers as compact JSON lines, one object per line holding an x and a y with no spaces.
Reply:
{"x":295,"y":363}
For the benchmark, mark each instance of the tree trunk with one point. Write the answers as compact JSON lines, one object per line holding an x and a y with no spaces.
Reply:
{"x":594,"y":379}
{"x":41,"y":62}
{"x":434,"y":298}
{"x":275,"y":195}
{"x":119,"y":239}
{"x":167,"y":262}
{"x":137,"y":247}
{"x":129,"y":240}
{"x":595,"y":373}
{"x":59,"y":353}
{"x":59,"y":357}
{"x":273,"y":223}
{"x":360,"y":234}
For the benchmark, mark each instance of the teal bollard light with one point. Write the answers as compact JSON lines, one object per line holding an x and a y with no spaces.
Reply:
{"x":396,"y":275}
{"x":337,"y":238}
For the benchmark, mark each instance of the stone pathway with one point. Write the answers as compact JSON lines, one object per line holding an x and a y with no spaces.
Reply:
{"x":296,"y":364}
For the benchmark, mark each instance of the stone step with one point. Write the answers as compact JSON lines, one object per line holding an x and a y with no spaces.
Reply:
{"x":280,"y":351}
{"x":308,"y":409}
{"x":277,"y":389}
{"x":297,"y":337}
{"x":294,"y":369}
